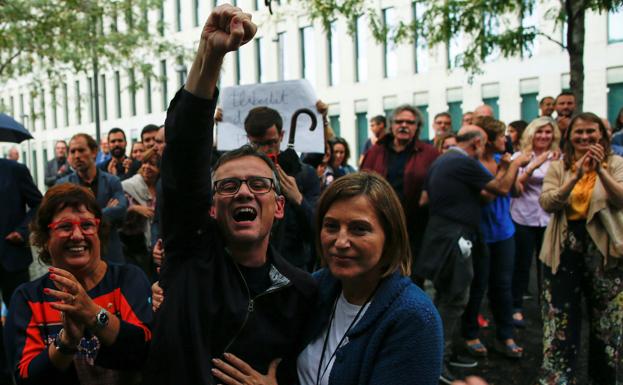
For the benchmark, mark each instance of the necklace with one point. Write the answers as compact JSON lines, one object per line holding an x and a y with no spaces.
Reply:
{"x":320,"y":373}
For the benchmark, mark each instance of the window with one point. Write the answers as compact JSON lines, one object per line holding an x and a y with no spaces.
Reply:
{"x":615,"y":102}
{"x":424,"y":128}
{"x":21,"y":105}
{"x":78,"y":102}
{"x":530,"y":21}
{"x":33,"y":114}
{"x":129,"y":17}
{"x":34,"y":168}
{"x":45,"y":153}
{"x":161,"y":19}
{"x":163,"y":84}
{"x":333,"y":55}
{"x":44,"y":123}
{"x":260,"y":64}
{"x":53,"y":107}
{"x":390,"y":57}
{"x":103,"y":97}
{"x":148,"y":101}
{"x":493,"y":26}
{"x":178,"y":15}
{"x":65,"y":104}
{"x":237,"y":67}
{"x":180,"y":68}
{"x":12,"y":105}
{"x":308,"y":54}
{"x":361,"y":56}
{"x":195,"y":13}
{"x":420,"y":46}
{"x":90,"y":92}
{"x":282,"y":56}
{"x":132,"y":86}
{"x":118,"y":93}
{"x":455,"y":51}
{"x":361,"y":122}
{"x":615,"y":26}
{"x":493,"y":103}
{"x":334,"y":121}
{"x":456,"y":113}
{"x":529,"y":107}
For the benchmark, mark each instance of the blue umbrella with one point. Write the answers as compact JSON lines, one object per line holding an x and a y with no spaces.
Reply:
{"x":12,"y":131}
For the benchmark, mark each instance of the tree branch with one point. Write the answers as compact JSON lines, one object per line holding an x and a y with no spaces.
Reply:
{"x":558,"y":43}
{"x":9,"y":60}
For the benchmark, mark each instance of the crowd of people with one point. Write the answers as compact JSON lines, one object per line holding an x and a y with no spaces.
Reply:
{"x":174,"y":263}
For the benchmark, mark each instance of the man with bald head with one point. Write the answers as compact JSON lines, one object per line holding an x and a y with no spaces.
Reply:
{"x":453,"y":185}
{"x":484,"y":110}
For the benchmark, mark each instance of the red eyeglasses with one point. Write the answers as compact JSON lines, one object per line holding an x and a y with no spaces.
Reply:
{"x":65,"y":227}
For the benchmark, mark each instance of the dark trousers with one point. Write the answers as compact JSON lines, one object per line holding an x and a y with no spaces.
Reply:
{"x":9,"y":281}
{"x":581,"y":274}
{"x":450,"y":308}
{"x":494,"y":271}
{"x":528,"y":241}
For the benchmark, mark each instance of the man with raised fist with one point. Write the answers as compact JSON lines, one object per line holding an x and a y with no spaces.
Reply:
{"x":226,"y":288}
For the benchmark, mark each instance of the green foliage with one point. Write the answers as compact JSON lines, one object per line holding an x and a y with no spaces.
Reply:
{"x":488,"y":26}
{"x":47,"y":38}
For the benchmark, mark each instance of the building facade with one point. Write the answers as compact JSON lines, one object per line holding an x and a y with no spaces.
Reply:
{"x":357,"y":77}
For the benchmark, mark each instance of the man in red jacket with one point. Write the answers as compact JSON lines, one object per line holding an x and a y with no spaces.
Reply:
{"x":404,"y":161}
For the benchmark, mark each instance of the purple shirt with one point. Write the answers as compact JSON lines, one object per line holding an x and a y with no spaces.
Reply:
{"x":526,"y":209}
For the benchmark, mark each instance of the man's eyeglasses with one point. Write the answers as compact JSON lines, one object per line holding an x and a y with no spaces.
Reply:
{"x":404,"y":121}
{"x":65,"y":227}
{"x":263,"y":143}
{"x":230,"y":186}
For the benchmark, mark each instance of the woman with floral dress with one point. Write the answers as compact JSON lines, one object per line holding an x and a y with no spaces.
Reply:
{"x":582,"y":255}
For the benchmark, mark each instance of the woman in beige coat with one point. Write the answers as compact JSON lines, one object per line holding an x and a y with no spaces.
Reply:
{"x":581,"y":252}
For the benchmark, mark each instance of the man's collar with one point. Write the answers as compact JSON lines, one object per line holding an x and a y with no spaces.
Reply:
{"x":93,"y":180}
{"x":459,"y":150}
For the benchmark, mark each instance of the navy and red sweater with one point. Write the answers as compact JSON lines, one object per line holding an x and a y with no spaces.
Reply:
{"x":32,"y":325}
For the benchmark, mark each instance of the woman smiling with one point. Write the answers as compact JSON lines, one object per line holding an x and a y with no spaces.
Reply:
{"x":371,"y":324}
{"x":84,"y":322}
{"x":582,"y":255}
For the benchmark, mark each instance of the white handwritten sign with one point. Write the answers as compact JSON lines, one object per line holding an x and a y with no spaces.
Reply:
{"x":286,"y":97}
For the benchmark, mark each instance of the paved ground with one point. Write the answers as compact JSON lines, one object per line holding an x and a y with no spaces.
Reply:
{"x":499,"y":370}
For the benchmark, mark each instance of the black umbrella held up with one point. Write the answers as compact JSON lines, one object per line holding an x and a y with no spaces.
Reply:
{"x":289,"y":159}
{"x":12,"y":131}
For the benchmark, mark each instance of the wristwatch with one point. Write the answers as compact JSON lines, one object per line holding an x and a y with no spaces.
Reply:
{"x":64,"y":349}
{"x":101,"y":320}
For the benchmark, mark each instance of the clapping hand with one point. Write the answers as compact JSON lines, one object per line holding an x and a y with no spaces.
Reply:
{"x":112,"y":166}
{"x":289,"y":187}
{"x":74,"y":301}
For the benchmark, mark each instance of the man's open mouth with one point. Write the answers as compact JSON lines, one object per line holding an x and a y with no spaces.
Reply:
{"x":245,"y":214}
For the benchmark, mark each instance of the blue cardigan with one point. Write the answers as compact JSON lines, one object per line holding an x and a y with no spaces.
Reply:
{"x":399,"y":340}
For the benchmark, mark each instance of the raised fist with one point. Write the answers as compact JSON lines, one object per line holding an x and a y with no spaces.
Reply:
{"x":226,"y":29}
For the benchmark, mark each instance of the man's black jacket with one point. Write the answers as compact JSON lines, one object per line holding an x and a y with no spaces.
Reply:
{"x":207,"y":310}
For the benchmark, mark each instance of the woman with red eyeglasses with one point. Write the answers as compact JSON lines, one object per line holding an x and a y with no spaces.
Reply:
{"x":85,"y":321}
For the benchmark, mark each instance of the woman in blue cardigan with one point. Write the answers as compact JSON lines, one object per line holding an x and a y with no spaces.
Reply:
{"x":372,"y":325}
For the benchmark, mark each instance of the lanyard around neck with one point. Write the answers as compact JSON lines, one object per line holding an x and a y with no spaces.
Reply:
{"x":319,"y":375}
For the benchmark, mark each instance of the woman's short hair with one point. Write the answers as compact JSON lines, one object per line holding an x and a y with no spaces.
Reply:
{"x":56,"y":199}
{"x":491,"y":126}
{"x":528,"y":136}
{"x":396,"y":250}
{"x":439,"y":140}
{"x":569,"y":151}
{"x":342,"y":141}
